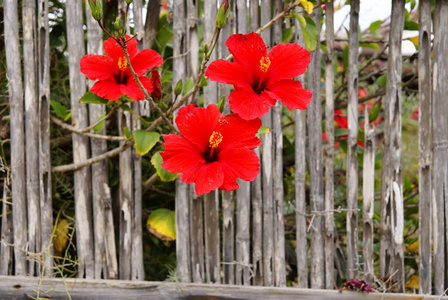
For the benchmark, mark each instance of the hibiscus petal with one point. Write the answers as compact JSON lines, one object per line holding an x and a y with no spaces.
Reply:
{"x":207,"y":177}
{"x":180,"y":155}
{"x":291,"y":93}
{"x":146,"y":60}
{"x":197,"y":124}
{"x":239,"y":133}
{"x":132,"y":90}
{"x":247,"y":50}
{"x":249,"y":105}
{"x":224,"y":71}
{"x":98,"y":67}
{"x":238,"y":163}
{"x":287,"y":61}
{"x":114,"y":51}
{"x":107,"y":89}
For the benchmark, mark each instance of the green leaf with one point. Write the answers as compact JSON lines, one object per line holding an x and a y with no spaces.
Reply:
{"x":127,"y":108}
{"x":287,"y":34}
{"x":127,"y":133}
{"x":263,"y":130}
{"x":59,"y":109}
{"x":100,"y":125}
{"x":164,"y":175}
{"x":374,"y":27}
{"x":221,"y":103}
{"x":340,"y":132}
{"x":90,"y":97}
{"x":178,"y":88}
{"x":204,"y":82}
{"x":382,"y":80}
{"x":144,"y":141}
{"x":345,"y":57}
{"x":143,"y":121}
{"x":410,"y":25}
{"x":162,"y":223}
{"x":309,"y":31}
{"x":187,"y":86}
{"x":374,"y":112}
{"x":370,"y":45}
{"x":68,"y":116}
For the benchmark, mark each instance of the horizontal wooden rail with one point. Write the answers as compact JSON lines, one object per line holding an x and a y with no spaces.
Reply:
{"x":19,"y":287}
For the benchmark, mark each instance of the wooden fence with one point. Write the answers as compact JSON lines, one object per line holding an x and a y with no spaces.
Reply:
{"x":231,"y":237}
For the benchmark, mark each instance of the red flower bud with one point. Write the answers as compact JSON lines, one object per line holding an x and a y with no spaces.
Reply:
{"x":221,"y":17}
{"x":156,"y":85}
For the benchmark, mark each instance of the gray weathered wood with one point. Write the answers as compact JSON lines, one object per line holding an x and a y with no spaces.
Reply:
{"x":277,"y":189}
{"x":391,"y":252}
{"x":424,"y":144}
{"x":31,"y":130}
{"x":440,"y":145}
{"x":197,"y":237}
{"x":228,"y":238}
{"x":192,"y":38}
{"x":100,"y":197}
{"x":18,"y":179}
{"x":315,"y":166}
{"x":329,"y":147}
{"x":242,"y":272}
{"x":118,"y":289}
{"x":266,"y":170}
{"x":210,"y":10}
{"x":151,"y":24}
{"x":368,"y":196}
{"x":182,"y":194}
{"x":212,"y":241}
{"x":352,"y":144}
{"x":6,"y":234}
{"x":46,"y":210}
{"x":300,"y":185}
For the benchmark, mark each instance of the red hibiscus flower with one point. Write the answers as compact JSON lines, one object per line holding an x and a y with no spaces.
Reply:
{"x":214,"y":150}
{"x":113,"y":75}
{"x":261,"y":78}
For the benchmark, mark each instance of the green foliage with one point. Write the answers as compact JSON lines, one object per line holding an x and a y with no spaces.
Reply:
{"x":145,"y":141}
{"x":309,"y":31}
{"x":164,"y":175}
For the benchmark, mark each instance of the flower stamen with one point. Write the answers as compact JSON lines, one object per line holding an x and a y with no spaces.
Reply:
{"x":122,"y":64}
{"x":265,"y":62}
{"x":215,"y":140}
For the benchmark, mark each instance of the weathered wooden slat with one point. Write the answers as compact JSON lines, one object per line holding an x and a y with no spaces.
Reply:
{"x":100,"y":178}
{"x":391,"y":252}
{"x":7,"y":237}
{"x":197,"y":237}
{"x":210,"y":10}
{"x":31,"y":130}
{"x":300,"y":184}
{"x":266,"y":170}
{"x":315,"y":165}
{"x":46,"y":210}
{"x":18,"y":288}
{"x":82,"y":186}
{"x":228,"y":237}
{"x":151,"y":24}
{"x":440,"y":144}
{"x":212,"y":240}
{"x":18,"y":179}
{"x":182,"y":194}
{"x":368,"y":196}
{"x":329,"y":147}
{"x":424,"y":142}
{"x":277,"y":150}
{"x":352,"y":144}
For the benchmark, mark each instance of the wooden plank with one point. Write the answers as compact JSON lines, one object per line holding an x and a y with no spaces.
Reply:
{"x":329,"y":147}
{"x":151,"y":24}
{"x":212,"y":240}
{"x":197,"y":237}
{"x":352,"y":144}
{"x":15,"y":288}
{"x":368,"y":196}
{"x":316,"y":165}
{"x":266,"y":171}
{"x":100,"y":178}
{"x":18,"y":187}
{"x":300,"y":184}
{"x":210,"y":10}
{"x":391,"y":252}
{"x":46,"y":209}
{"x":7,"y":236}
{"x":277,"y":150}
{"x":228,"y":237}
{"x":182,"y":193}
{"x":31,"y":131}
{"x":440,"y":144}
{"x":424,"y":144}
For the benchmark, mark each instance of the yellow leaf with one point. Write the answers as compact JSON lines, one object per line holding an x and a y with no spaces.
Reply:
{"x":413,"y":247}
{"x":307,"y":5}
{"x":414,"y":40}
{"x":162,"y":223}
{"x":412,"y":282}
{"x":61,"y":236}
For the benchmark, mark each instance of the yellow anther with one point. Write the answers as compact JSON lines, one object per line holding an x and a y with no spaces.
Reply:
{"x":215,"y":139}
{"x":265,"y":62}
{"x":122,"y":64}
